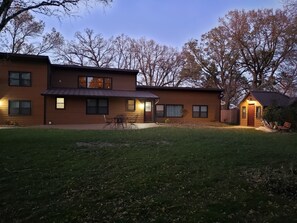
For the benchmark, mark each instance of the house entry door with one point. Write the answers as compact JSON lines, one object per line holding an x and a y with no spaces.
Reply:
{"x":148,"y":111}
{"x":251,"y":115}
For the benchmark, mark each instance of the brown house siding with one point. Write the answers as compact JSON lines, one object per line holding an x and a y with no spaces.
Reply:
{"x":68,"y":78}
{"x":188,"y":98}
{"x":39,"y":71}
{"x":75,"y":111}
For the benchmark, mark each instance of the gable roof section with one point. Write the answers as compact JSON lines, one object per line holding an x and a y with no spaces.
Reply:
{"x":269,"y":98}
{"x":82,"y":92}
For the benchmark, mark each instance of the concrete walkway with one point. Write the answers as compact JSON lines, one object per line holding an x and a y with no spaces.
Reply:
{"x":97,"y":126}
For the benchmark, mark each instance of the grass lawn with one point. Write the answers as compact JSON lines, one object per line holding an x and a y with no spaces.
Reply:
{"x":150,"y":175}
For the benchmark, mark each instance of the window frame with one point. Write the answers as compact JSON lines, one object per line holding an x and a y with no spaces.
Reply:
{"x":199,"y":112}
{"x":128,"y":108}
{"x":97,"y":106}
{"x":176,"y":105}
{"x":57,"y":103}
{"x":163,"y":111}
{"x":258,"y":112}
{"x":20,"y":109}
{"x":20,"y":79}
{"x":106,"y":85}
{"x":243,"y":112}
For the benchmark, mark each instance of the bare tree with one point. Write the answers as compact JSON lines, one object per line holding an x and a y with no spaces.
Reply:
{"x":9,"y":9}
{"x":124,"y":57}
{"x":215,"y":63}
{"x":265,"y":39}
{"x":20,"y":32}
{"x":159,"y":65}
{"x":88,"y":49}
{"x":24,"y":34}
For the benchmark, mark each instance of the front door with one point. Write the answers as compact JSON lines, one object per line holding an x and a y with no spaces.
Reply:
{"x":148,"y":111}
{"x":251,"y":115}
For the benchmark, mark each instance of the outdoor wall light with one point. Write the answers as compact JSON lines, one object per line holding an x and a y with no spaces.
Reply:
{"x":141,"y":105}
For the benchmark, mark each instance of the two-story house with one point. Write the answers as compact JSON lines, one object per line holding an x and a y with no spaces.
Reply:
{"x":34,"y":92}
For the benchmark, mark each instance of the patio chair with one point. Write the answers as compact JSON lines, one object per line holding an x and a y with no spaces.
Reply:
{"x":108,"y":121}
{"x":285,"y":127}
{"x":132,"y":120}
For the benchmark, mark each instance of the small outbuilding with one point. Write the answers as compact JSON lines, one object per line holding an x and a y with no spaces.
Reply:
{"x":253,"y":104}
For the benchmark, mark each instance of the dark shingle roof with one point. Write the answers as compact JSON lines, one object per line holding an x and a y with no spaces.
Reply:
{"x":179,"y":89}
{"x":89,"y":68}
{"x":267,"y":98}
{"x":97,"y":93}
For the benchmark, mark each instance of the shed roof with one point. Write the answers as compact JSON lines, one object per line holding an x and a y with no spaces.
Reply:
{"x":268,"y":98}
{"x":98,"y":93}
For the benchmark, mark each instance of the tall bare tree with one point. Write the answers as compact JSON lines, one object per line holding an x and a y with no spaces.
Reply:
{"x":9,"y":9}
{"x":159,"y":65}
{"x":24,"y":34}
{"x":124,"y":57}
{"x":216,"y":63}
{"x":88,"y":49}
{"x":265,"y":38}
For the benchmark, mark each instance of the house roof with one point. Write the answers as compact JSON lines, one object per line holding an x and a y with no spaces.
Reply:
{"x":82,"y":92}
{"x":268,"y":98}
{"x":179,"y":89}
{"x":40,"y":58}
{"x":25,"y":57}
{"x":89,"y":68}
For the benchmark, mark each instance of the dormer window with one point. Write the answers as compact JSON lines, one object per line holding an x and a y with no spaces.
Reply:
{"x":95,"y":82}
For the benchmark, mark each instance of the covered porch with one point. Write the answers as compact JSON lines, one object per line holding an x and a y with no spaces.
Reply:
{"x":92,"y":106}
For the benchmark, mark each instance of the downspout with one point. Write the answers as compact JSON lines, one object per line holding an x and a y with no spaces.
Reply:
{"x":44,"y":107}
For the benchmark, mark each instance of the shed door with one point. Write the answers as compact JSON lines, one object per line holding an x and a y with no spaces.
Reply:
{"x":251,"y":115}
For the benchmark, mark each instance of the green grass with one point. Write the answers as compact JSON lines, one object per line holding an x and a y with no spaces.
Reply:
{"x":151,"y":175}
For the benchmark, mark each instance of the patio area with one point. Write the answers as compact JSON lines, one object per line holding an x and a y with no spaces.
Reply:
{"x":97,"y":126}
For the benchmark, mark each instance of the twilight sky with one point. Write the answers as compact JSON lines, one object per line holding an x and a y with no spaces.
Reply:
{"x":169,"y":22}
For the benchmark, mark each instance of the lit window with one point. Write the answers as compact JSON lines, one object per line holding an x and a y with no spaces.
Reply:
{"x":131,"y":105}
{"x":82,"y":82}
{"x":243,"y":112}
{"x":95,"y":82}
{"x":258,"y":112}
{"x":60,"y":103}
{"x":107,"y":83}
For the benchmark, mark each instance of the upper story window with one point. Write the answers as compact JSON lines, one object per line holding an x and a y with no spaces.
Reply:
{"x":95,"y":82}
{"x":19,"y":79}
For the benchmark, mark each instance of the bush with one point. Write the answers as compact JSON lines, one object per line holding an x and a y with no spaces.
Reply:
{"x":281,"y":115}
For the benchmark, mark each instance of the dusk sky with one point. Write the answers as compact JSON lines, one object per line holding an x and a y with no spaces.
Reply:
{"x":169,"y":22}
